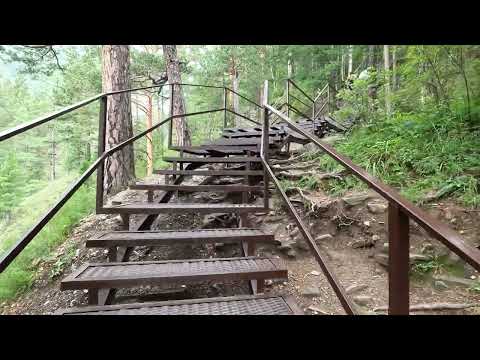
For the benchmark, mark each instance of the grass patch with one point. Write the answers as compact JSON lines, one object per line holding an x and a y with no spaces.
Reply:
{"x":415,"y":153}
{"x":20,"y":274}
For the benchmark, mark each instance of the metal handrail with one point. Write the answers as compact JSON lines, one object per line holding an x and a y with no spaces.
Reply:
{"x":299,"y":89}
{"x":336,"y":286}
{"x":400,"y":210}
{"x":15,"y":250}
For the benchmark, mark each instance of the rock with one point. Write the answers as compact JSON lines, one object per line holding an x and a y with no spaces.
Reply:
{"x":301,"y":244}
{"x":382,"y":259}
{"x":375,"y":238}
{"x":362,"y":299}
{"x":427,"y":248}
{"x":317,"y":310}
{"x":324,"y":237}
{"x":455,"y":281}
{"x":440,"y":285}
{"x":294,"y":232}
{"x":291,"y":253}
{"x":273,"y":219}
{"x":268,"y":282}
{"x":376,"y":208}
{"x":286,"y":245}
{"x":311,"y":291}
{"x":355,"y":287}
{"x":415,"y":258}
{"x":362,"y":243}
{"x":366,"y":223}
{"x":315,"y":273}
{"x":356,"y":199}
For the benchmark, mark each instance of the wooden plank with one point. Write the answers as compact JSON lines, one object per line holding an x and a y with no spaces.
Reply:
{"x":209,"y":172}
{"x":157,"y":238}
{"x":149,"y":208}
{"x":134,"y":274}
{"x":195,"y":188}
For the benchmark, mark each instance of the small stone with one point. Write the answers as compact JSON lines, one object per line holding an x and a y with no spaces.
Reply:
{"x":376,"y":208}
{"x":375,"y":238}
{"x":324,"y":237}
{"x":462,"y":232}
{"x":382,"y":259}
{"x":355,"y":288}
{"x":315,"y":273}
{"x":416,"y":258}
{"x":286,"y":246}
{"x":311,"y":291}
{"x":77,"y":253}
{"x":366,"y":223}
{"x":268,"y":282}
{"x":355,"y":199}
{"x":473,"y":277}
{"x":362,"y":299}
{"x":455,"y":281}
{"x":219,"y":245}
{"x":440,"y":285}
{"x":294,"y":233}
{"x":291,"y":253}
{"x":85,"y":291}
{"x":427,"y":248}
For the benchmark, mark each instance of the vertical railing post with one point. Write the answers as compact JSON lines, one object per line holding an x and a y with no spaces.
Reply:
{"x":224,"y":107}
{"x":170,"y":127}
{"x":266,"y":141}
{"x":398,"y":263}
{"x":102,"y":124}
{"x":313,"y":110}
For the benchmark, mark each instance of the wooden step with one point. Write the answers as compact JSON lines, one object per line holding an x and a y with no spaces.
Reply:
{"x":213,"y":160}
{"x":209,"y":172}
{"x":158,"y":238}
{"x":153,"y":208}
{"x":195,"y":188}
{"x":231,"y":305}
{"x":133,"y":274}
{"x":217,"y":149}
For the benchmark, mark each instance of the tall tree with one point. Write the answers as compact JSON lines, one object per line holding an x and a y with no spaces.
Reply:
{"x":172,"y":64}
{"x":120,"y":167}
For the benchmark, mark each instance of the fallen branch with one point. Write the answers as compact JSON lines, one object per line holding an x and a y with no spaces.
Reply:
{"x":433,"y":307}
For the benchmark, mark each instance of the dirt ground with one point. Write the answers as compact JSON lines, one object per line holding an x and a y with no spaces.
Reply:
{"x":348,"y":226}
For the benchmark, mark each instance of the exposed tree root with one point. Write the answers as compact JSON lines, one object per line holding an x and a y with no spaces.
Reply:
{"x":433,"y":307}
{"x":313,"y":206}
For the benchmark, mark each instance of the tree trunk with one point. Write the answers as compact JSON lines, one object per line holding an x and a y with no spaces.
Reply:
{"x":149,"y":136}
{"x":394,"y":68}
{"x":174,"y":77}
{"x":350,"y":60}
{"x":119,"y":167}
{"x":371,"y":56}
{"x":234,"y":97}
{"x":386,"y":56}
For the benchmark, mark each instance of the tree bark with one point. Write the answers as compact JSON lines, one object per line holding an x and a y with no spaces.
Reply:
{"x":149,"y":136}
{"x":371,"y":56}
{"x":350,"y":60}
{"x":174,"y":77}
{"x":234,"y":79}
{"x":120,"y":167}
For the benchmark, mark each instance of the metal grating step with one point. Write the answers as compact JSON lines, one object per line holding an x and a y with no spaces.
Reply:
{"x":233,"y":305}
{"x":195,"y":188}
{"x":133,"y":274}
{"x":209,"y":172}
{"x":152,"y":208}
{"x":213,"y":160}
{"x":156,"y":238}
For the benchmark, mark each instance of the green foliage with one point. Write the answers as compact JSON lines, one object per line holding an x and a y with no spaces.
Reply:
{"x":20,"y":274}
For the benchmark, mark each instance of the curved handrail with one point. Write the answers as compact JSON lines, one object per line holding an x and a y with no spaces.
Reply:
{"x":17,"y":248}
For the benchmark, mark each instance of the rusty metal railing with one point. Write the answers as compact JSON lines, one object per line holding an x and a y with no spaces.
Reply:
{"x":16,"y":249}
{"x":400,"y":210}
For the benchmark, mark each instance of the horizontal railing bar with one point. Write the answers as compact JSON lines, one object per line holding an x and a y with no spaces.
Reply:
{"x":438,"y":230}
{"x":41,"y":120}
{"x":242,"y":116}
{"x":303,"y":92}
{"x":300,"y":101}
{"x":243,"y":97}
{"x":299,"y":112}
{"x":11,"y":254}
{"x":4,"y":135}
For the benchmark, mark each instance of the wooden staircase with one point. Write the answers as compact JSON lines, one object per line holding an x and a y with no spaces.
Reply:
{"x":238,"y":150}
